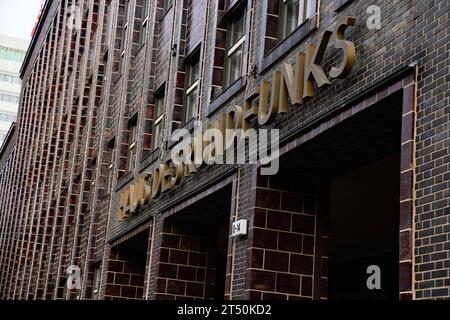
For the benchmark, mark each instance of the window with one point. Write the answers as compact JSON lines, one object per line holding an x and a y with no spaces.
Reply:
{"x":132,"y":145}
{"x":9,"y":98}
{"x":92,"y":186}
{"x":123,"y":45}
{"x":159,"y":122}
{"x":112,"y":157}
{"x":91,"y":194}
{"x":144,"y":26}
{"x":192,"y":84}
{"x":9,"y":78}
{"x":111,"y":173}
{"x":11,"y":54}
{"x":167,"y":5}
{"x":293,"y":13}
{"x":7,"y":117}
{"x":96,"y":282}
{"x":235,"y":48}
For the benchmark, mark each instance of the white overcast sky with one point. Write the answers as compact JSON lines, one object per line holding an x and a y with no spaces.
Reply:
{"x":18,"y":17}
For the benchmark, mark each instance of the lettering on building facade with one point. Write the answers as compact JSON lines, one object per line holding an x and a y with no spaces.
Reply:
{"x":289,"y":83}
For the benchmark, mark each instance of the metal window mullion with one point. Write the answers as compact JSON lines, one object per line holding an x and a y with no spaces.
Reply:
{"x":192,"y":87}
{"x":236,"y":46}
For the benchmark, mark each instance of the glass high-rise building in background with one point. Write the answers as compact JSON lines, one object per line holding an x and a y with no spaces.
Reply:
{"x":12,"y":53}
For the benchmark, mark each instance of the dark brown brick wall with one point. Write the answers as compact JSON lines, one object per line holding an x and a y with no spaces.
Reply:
{"x":182,"y":268}
{"x":63,"y":125}
{"x":282,"y":237}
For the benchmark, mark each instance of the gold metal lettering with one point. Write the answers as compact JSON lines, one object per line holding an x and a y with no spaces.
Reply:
{"x":313,"y":70}
{"x":347,"y":46}
{"x":250,"y":111}
{"x":156,"y":185}
{"x":292,"y":83}
{"x":166,"y":175}
{"x":265,"y":116}
{"x":124,"y":209}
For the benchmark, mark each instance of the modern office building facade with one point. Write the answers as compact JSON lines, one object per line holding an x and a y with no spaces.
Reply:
{"x":12,"y":53}
{"x":92,"y":207}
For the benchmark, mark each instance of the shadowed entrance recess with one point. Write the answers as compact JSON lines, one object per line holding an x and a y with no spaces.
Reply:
{"x":332,"y":211}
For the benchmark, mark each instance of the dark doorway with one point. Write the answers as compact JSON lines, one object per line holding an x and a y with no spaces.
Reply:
{"x":357,"y":166}
{"x":364,"y":229}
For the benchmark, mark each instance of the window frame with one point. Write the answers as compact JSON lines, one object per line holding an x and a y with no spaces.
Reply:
{"x":144,"y":23}
{"x":132,"y":145}
{"x":158,"y":122}
{"x":112,"y":160}
{"x":124,"y":46}
{"x":167,"y":5}
{"x":192,"y":86}
{"x":96,"y":281}
{"x":233,"y":48}
{"x":302,"y":17}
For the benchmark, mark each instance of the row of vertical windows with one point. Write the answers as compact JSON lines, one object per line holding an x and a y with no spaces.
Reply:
{"x":9,"y":98}
{"x":9,"y":78}
{"x":11,"y":55}
{"x":292,"y":14}
{"x":7,"y":117}
{"x":144,"y":26}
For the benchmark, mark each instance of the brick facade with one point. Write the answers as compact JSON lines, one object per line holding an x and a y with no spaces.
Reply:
{"x":60,"y":186}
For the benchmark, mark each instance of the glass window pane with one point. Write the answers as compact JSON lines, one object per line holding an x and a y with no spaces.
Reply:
{"x":157,"y":135}
{"x":110,"y":177}
{"x":191,"y":100}
{"x":290,"y":16}
{"x":310,"y":9}
{"x":143,"y":34}
{"x":234,"y":66}
{"x":167,"y":4}
{"x":133,"y":134}
{"x":131,"y":159}
{"x":193,"y":72}
{"x":159,"y":107}
{"x":145,"y":8}
{"x":237,"y":28}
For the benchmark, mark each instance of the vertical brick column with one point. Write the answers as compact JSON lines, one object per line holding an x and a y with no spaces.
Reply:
{"x":219,"y":54}
{"x":280,"y":261}
{"x":407,"y":179}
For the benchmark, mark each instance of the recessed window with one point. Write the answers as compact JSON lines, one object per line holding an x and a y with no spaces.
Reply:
{"x":235,"y":47}
{"x":112,"y":157}
{"x":123,"y":46}
{"x":167,"y":5}
{"x":159,"y":121}
{"x":192,"y":85}
{"x":293,"y":13}
{"x":96,"y":282}
{"x":92,"y":168}
{"x":132,"y":146}
{"x":144,"y":25}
